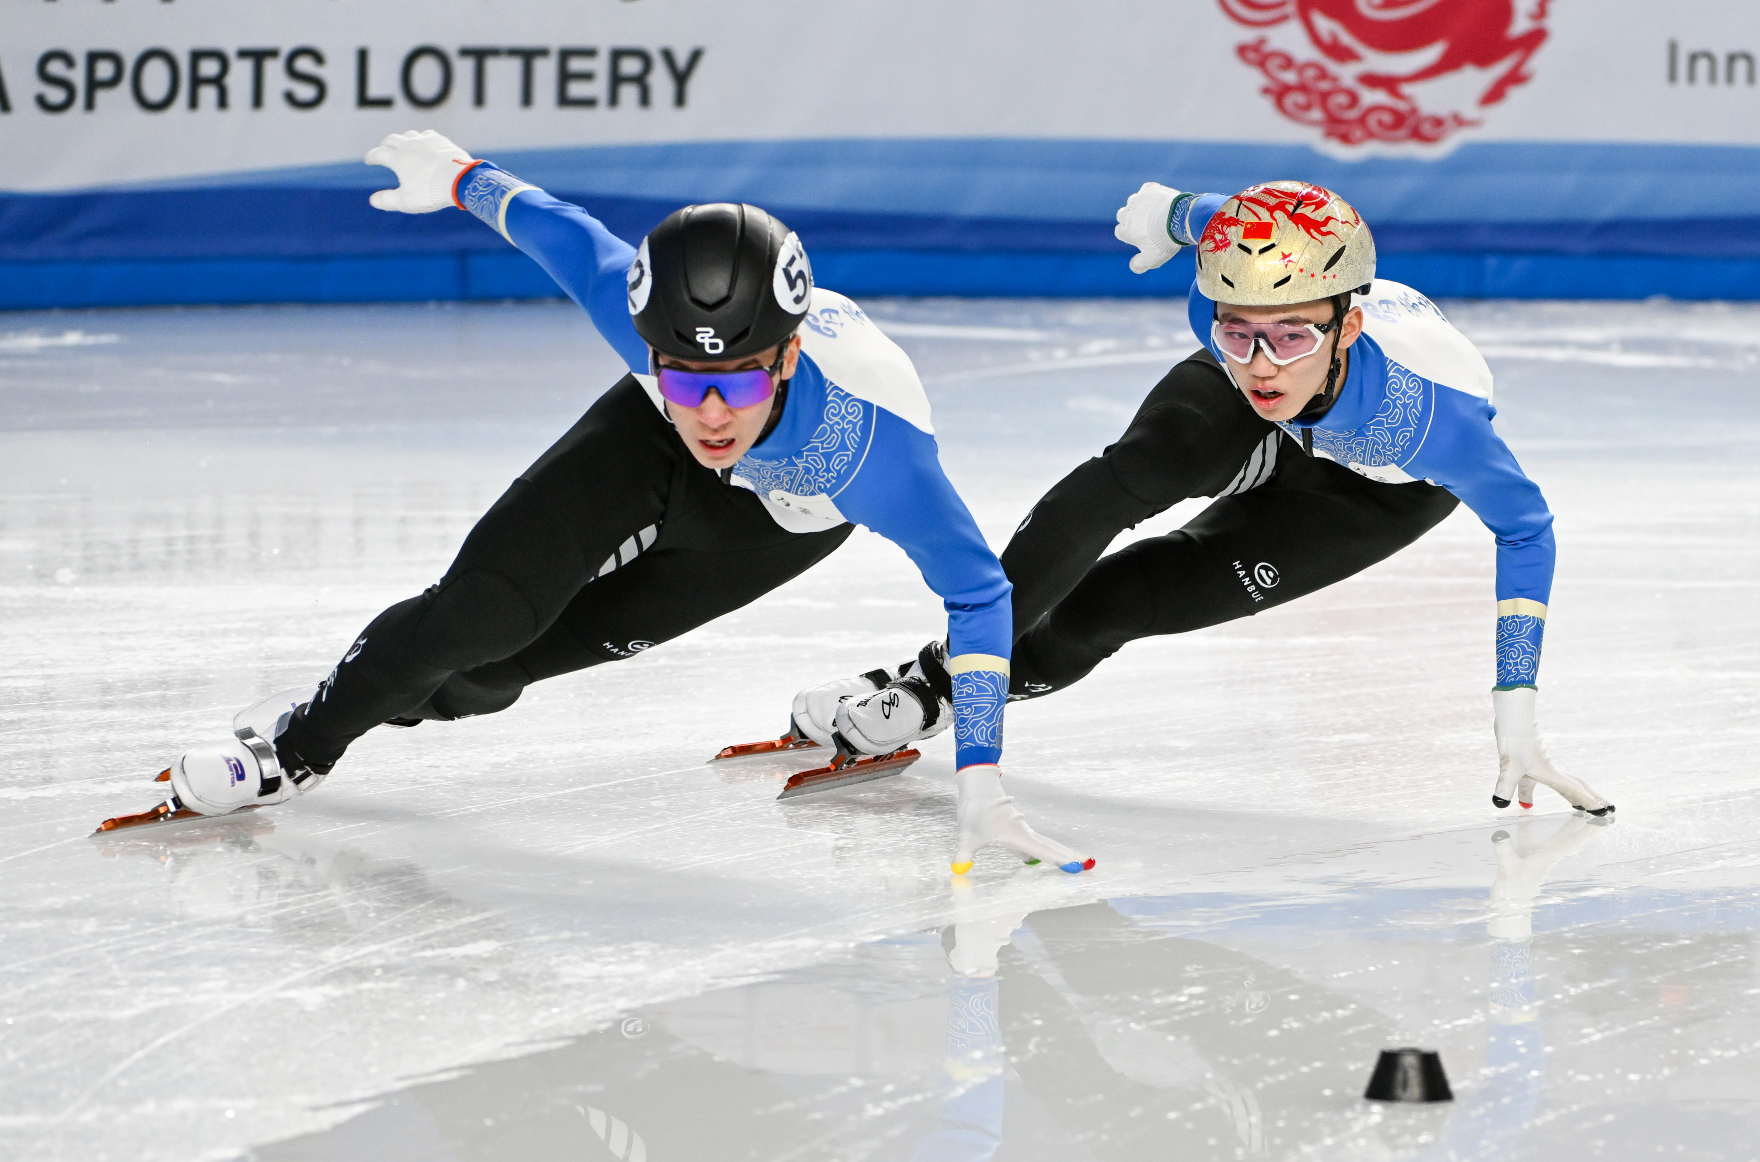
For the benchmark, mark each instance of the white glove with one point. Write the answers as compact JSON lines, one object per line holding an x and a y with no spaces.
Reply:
{"x":1522,"y":761}
{"x":427,"y":166}
{"x":988,"y":816}
{"x":1142,"y":222}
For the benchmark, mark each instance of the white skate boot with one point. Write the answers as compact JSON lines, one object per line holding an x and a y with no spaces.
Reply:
{"x":229,"y":776}
{"x":881,"y":711}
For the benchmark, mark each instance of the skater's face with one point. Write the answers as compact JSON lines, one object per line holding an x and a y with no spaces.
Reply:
{"x":716,"y":434}
{"x":1280,"y":393}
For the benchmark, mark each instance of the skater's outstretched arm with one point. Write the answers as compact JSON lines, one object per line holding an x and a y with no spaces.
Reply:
{"x":587,"y":261}
{"x":914,"y":505}
{"x":1465,"y":455}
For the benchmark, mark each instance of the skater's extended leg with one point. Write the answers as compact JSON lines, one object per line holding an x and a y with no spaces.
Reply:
{"x":1314,"y":524}
{"x":605,"y":482}
{"x":666,"y":593}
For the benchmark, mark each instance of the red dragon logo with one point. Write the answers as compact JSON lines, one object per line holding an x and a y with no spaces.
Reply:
{"x":1384,"y":49}
{"x":1263,"y":204}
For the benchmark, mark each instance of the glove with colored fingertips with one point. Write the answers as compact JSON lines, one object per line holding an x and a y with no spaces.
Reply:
{"x":987,"y":816}
{"x":1522,"y":759}
{"x":1143,"y":223}
{"x":427,"y":166}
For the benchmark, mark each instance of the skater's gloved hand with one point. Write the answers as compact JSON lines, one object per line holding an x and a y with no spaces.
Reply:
{"x":987,"y":816}
{"x":1522,"y":761}
{"x":1142,"y":222}
{"x":427,"y":166}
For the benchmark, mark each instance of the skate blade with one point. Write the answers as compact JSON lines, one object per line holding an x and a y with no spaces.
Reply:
{"x":768,"y":746}
{"x":163,"y":813}
{"x":849,"y":773}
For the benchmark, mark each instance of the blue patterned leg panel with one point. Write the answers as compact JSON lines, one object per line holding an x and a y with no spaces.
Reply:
{"x":978,"y":699}
{"x":1518,"y":650}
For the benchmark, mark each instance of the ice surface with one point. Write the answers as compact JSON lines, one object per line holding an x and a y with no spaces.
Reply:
{"x":556,"y":933}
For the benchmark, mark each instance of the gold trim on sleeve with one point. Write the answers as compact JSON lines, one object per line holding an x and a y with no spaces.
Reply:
{"x":967,"y":663}
{"x":501,"y":214}
{"x":1521,"y":607}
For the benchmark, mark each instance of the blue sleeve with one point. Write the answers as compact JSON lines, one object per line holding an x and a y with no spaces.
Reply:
{"x":903,"y":494}
{"x":1466,"y":456}
{"x":587,"y":261}
{"x":1189,"y":214}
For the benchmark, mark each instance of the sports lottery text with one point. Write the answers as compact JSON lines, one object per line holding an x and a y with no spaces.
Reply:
{"x":305,"y":77}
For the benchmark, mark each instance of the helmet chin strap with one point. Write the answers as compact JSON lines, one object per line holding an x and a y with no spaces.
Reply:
{"x":1322,"y":403}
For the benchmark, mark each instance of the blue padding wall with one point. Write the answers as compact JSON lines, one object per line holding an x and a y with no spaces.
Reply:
{"x":475,"y":275}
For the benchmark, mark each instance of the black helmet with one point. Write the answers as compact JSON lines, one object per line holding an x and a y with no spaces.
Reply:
{"x":721,"y":281}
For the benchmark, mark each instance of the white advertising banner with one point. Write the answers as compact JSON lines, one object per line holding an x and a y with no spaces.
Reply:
{"x":1533,"y":124}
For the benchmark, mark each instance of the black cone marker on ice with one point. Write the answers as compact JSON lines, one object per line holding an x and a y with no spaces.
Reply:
{"x":1409,"y":1075}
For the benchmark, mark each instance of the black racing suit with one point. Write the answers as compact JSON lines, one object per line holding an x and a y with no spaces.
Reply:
{"x":614,"y":541}
{"x":1284,"y":524}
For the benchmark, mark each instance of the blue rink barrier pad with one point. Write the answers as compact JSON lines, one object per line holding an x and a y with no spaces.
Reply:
{"x":480,"y":275}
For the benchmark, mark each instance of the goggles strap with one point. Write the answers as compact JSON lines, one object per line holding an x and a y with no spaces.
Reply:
{"x":778,"y":398}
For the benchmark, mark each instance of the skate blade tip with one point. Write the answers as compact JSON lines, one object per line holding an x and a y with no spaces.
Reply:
{"x":960,"y":869}
{"x":1076,"y":866}
{"x":163,"y":776}
{"x":1527,"y":806}
{"x":1498,"y":803}
{"x":1032,"y":863}
{"x":768,"y":746}
{"x":1600,"y":812}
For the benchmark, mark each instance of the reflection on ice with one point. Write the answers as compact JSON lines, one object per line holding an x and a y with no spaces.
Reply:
{"x":1112,"y":1030}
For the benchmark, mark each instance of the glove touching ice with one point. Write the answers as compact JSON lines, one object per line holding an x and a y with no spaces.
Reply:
{"x":427,"y":166}
{"x":1522,"y":761}
{"x":987,"y":816}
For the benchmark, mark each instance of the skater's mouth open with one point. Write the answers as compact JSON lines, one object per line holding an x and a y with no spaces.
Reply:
{"x":732,"y":412}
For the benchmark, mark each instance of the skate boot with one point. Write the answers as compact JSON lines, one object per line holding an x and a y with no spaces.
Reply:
{"x":242,"y":772}
{"x":881,"y":711}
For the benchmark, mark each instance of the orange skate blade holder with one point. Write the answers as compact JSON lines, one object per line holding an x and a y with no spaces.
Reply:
{"x":847,"y":772}
{"x":163,"y":813}
{"x":768,"y":746}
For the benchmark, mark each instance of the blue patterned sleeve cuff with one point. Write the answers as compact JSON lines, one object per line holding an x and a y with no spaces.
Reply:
{"x":485,"y":192}
{"x":1519,"y":632}
{"x":978,"y":698}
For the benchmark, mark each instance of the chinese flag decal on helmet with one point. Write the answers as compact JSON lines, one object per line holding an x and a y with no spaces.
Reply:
{"x":1284,"y":242}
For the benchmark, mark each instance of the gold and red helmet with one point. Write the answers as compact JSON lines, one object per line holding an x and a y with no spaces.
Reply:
{"x":1284,"y":242}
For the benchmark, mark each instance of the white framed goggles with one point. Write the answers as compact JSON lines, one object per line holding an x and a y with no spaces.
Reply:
{"x":1283,"y":343}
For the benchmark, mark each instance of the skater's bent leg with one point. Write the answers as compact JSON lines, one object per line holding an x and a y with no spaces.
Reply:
{"x":517,"y":570}
{"x":1313,"y":525}
{"x":1157,"y":586}
{"x":664,"y":594}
